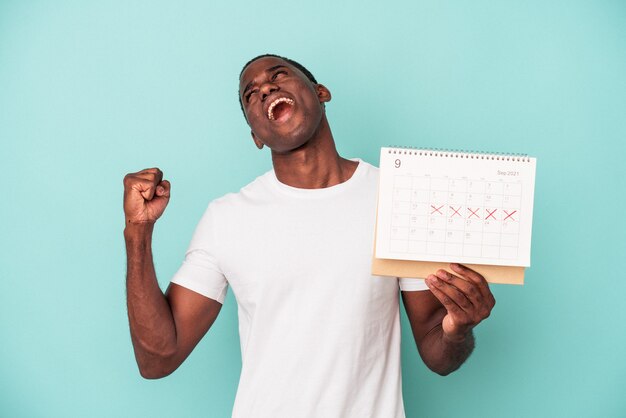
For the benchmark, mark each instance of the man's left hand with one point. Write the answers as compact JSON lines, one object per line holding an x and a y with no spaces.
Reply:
{"x":466,"y":297}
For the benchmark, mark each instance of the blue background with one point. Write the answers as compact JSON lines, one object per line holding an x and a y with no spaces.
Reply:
{"x":91,"y":91}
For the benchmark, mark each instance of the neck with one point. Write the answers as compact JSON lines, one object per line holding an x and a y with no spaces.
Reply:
{"x":314,"y":165}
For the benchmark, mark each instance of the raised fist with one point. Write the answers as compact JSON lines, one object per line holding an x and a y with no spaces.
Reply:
{"x":146,"y":195}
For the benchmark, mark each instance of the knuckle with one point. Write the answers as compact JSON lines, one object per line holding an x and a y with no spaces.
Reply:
{"x":476,"y":278}
{"x":472,"y":291}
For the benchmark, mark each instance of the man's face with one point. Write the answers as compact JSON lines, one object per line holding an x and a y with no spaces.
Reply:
{"x":282,"y":106}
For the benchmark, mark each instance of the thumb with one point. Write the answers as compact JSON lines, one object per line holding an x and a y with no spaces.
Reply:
{"x":448,"y":325}
{"x":163,"y":189}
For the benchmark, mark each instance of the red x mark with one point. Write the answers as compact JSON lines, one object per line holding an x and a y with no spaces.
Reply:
{"x":456,"y":211}
{"x":436,"y":209}
{"x":491,"y":214}
{"x":509,"y":215}
{"x":473,"y":212}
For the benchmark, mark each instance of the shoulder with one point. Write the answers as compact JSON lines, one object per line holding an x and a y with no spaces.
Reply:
{"x":251,"y":194}
{"x":367,"y":174}
{"x":369,"y":169}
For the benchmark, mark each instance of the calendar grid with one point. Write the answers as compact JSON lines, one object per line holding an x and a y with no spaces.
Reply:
{"x":464,"y":217}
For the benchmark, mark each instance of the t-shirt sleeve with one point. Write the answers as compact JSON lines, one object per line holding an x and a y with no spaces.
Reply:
{"x":200,"y":270}
{"x":409,"y":284}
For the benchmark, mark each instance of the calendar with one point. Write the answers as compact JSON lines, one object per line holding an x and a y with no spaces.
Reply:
{"x":447,"y":206}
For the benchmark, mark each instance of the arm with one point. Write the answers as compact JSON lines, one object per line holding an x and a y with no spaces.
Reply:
{"x":442,"y":319}
{"x":164,"y":328}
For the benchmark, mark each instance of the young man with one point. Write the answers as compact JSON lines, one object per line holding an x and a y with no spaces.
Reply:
{"x":320,"y":336}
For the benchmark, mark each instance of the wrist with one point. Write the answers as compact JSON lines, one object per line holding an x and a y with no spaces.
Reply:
{"x":138,"y":229}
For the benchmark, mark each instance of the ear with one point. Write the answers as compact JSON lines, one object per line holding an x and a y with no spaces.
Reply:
{"x":256,"y":140}
{"x":323,"y":93}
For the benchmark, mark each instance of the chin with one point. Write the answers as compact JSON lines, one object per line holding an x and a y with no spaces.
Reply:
{"x":295,"y":134}
{"x":290,"y":142}
{"x":287,"y":146}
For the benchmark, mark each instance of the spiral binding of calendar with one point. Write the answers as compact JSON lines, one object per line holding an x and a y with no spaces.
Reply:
{"x":454,"y":153}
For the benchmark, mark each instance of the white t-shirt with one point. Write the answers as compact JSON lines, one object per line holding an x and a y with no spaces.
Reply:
{"x":320,"y":336}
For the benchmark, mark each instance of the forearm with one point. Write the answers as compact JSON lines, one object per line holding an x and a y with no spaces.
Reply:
{"x":152,"y":326}
{"x":443,"y":355}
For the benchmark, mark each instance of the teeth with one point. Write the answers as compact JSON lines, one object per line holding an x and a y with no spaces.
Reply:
{"x":270,"y":110}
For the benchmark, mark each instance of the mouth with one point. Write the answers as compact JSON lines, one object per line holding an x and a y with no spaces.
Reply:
{"x":280,"y":109}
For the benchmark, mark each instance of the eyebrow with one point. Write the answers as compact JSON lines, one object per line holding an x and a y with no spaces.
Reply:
{"x":269,"y":70}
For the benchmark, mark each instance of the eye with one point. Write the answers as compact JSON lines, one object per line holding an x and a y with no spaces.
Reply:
{"x":277,"y":73}
{"x":250,"y":94}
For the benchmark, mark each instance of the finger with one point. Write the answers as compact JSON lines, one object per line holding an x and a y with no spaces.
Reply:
{"x":145,"y":187}
{"x":481,"y":306}
{"x":474,"y":276}
{"x":154,"y":176}
{"x":159,"y":176}
{"x":453,"y":293}
{"x":153,"y":170}
{"x":469,"y":289}
{"x":483,"y":285}
{"x":468,"y":273}
{"x":436,"y":286}
{"x":163,"y":189}
{"x":151,"y":175}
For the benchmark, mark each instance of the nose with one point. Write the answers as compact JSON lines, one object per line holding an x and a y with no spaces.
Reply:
{"x":266,"y":89}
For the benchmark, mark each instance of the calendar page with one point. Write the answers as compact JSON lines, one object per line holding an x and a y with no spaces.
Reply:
{"x":455,"y":207}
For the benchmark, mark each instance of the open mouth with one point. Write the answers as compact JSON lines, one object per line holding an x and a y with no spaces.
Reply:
{"x":280,"y":109}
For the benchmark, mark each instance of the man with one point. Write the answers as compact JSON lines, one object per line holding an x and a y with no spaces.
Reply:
{"x":320,"y":336}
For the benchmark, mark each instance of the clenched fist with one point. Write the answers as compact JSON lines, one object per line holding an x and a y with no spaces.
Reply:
{"x":146,"y":195}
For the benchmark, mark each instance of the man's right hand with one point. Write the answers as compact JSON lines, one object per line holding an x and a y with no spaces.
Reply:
{"x":146,"y":195}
